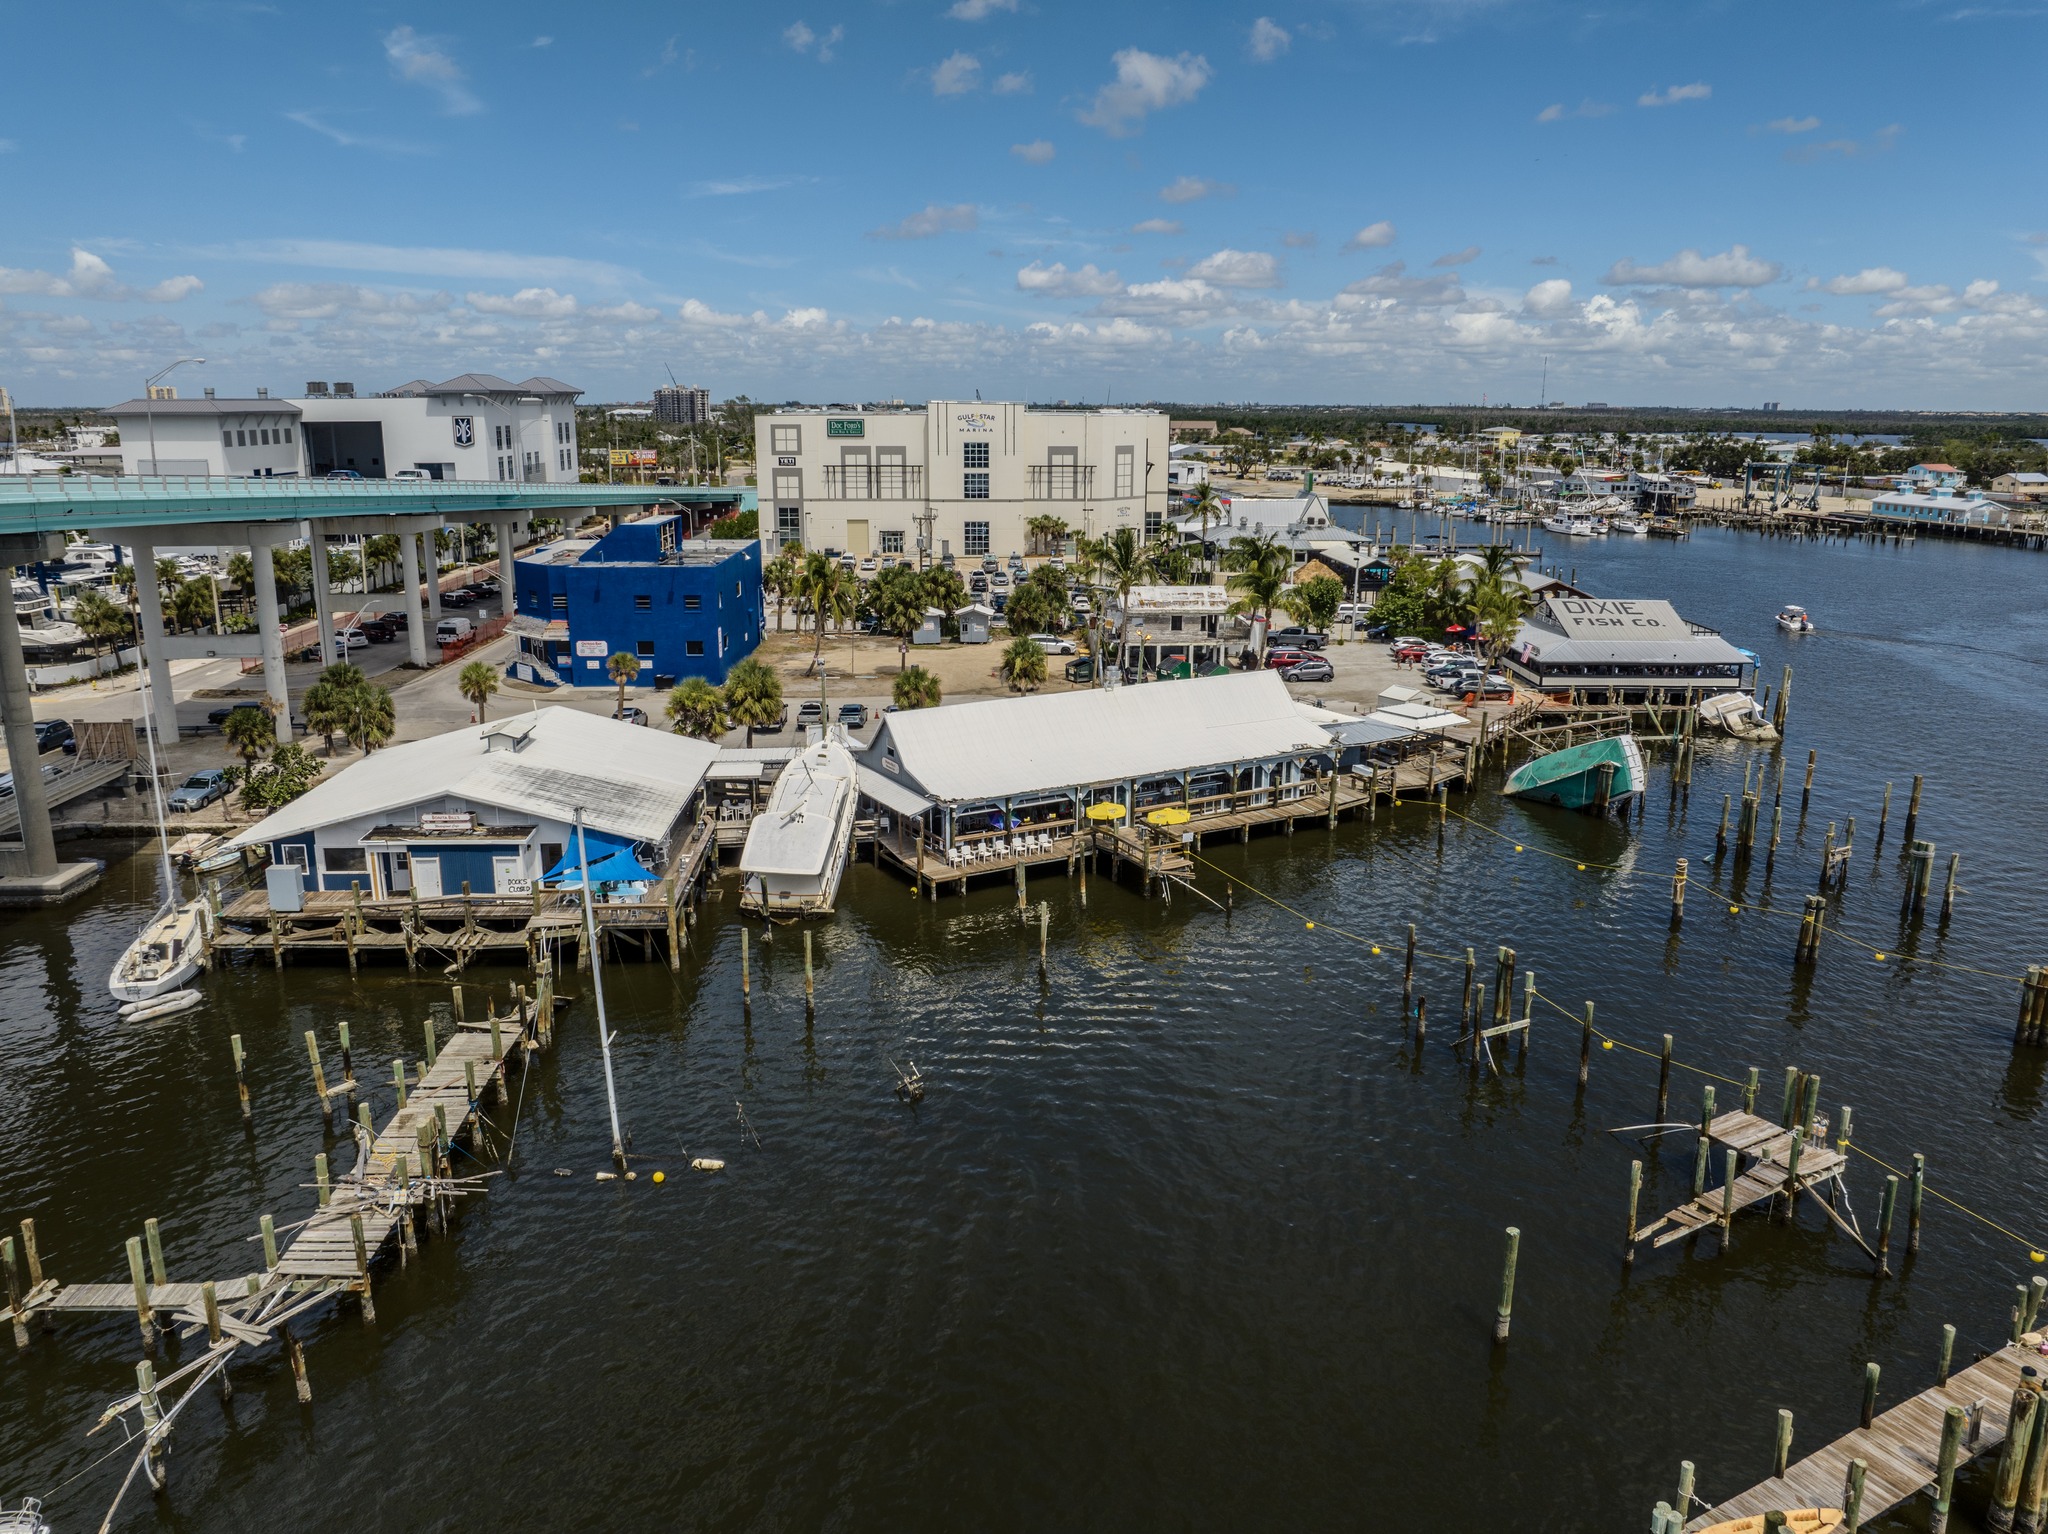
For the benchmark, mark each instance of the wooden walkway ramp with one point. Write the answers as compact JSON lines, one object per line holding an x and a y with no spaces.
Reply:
{"x":1901,"y":1447}
{"x":1767,"y":1147}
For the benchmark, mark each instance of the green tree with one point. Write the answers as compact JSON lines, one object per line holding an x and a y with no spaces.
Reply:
{"x":476,"y":682}
{"x":1446,"y":597}
{"x":1120,"y":563}
{"x":1499,"y":611}
{"x":332,"y":701}
{"x":342,"y":568}
{"x":1023,"y":665}
{"x":372,"y":718}
{"x":100,"y":618}
{"x":915,"y":687}
{"x":249,"y":731}
{"x":944,"y":590}
{"x":1033,"y":609}
{"x":744,"y":524}
{"x":271,"y":785}
{"x":242,"y":572}
{"x":778,"y":579}
{"x":697,"y":709}
{"x":622,"y":668}
{"x":1259,"y":570}
{"x":1208,"y":507}
{"x":1313,"y":603}
{"x":753,"y":696}
{"x":192,"y":603}
{"x":380,"y":554}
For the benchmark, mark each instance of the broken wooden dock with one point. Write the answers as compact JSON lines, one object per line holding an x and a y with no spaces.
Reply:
{"x":1782,"y":1163}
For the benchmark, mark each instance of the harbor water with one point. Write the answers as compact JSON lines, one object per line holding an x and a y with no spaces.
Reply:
{"x":1187,"y":1236}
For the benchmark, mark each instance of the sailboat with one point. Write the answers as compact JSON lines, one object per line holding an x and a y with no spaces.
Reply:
{"x":166,"y":953}
{"x":1593,"y":777}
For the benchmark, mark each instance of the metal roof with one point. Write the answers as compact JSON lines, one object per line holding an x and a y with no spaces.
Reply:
{"x":171,"y":407}
{"x":627,"y":780}
{"x":474,"y":383}
{"x":889,"y":793}
{"x":542,"y":384}
{"x":1010,"y":746}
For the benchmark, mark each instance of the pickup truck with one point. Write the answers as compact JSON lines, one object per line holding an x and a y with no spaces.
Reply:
{"x":1296,"y":639}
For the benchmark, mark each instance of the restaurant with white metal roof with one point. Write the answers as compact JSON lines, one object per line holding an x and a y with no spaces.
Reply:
{"x":1623,"y":651}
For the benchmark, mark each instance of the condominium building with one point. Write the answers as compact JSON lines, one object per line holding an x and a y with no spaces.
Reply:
{"x":682,"y":406}
{"x":959,"y":478}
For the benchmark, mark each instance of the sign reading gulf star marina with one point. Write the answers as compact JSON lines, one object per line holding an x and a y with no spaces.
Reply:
{"x":1588,"y":618}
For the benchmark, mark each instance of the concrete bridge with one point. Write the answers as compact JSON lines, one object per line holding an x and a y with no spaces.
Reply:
{"x":148,"y":512}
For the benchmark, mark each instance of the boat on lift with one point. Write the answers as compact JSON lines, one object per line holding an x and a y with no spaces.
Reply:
{"x":797,"y":848}
{"x":1795,"y":620}
{"x":1597,"y":777}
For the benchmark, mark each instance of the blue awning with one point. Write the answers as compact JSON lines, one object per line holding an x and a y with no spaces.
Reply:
{"x":602,"y":845}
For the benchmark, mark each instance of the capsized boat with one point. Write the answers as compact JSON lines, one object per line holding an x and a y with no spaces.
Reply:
{"x":797,"y":847}
{"x":1737,"y":714}
{"x":164,"y":955}
{"x":1595,"y":777}
{"x":1795,"y":620}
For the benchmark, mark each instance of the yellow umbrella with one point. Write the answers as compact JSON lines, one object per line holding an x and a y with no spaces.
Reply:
{"x":1105,"y":812}
{"x":1172,"y":815}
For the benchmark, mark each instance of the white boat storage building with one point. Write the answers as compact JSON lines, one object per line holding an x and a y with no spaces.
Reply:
{"x":1037,"y":764}
{"x":492,"y":806}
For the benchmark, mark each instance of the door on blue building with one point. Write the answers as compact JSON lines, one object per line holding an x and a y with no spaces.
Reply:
{"x":396,"y":872}
{"x":426,"y":877}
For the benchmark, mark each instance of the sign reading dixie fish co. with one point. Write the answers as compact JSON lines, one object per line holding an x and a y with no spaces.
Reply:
{"x":1590,"y":618}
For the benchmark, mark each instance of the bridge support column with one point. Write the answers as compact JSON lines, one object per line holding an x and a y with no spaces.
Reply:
{"x":150,"y":607}
{"x":431,"y":549}
{"x":508,"y":541}
{"x":323,"y":601}
{"x":415,"y":616}
{"x":270,"y":635}
{"x":39,"y":846}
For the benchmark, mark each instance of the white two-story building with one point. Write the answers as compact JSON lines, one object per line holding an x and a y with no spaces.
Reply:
{"x":957,"y":477}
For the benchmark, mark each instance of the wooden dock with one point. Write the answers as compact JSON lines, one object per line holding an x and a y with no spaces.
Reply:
{"x":1770,"y":1173}
{"x":1901,"y":1447}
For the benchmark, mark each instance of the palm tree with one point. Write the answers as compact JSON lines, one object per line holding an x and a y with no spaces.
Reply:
{"x":1209,"y":507}
{"x":331,"y":702}
{"x":1023,"y":665}
{"x":373,"y":721}
{"x":250,"y":732}
{"x":829,"y":597}
{"x":1446,"y":593}
{"x":100,"y":618}
{"x":1121,"y":563}
{"x":622,"y":668}
{"x":697,"y":709}
{"x":778,"y":579}
{"x":1259,"y":570}
{"x":753,"y":696}
{"x":915,"y":687}
{"x":1499,"y":611}
{"x":477,"y":681}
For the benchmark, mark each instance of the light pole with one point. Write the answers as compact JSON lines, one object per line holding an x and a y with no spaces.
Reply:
{"x":149,"y":404}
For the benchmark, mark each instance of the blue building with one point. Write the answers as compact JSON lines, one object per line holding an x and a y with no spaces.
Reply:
{"x":681,"y":606}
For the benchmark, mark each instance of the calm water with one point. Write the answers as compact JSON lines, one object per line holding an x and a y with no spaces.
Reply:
{"x":1187,"y":1238}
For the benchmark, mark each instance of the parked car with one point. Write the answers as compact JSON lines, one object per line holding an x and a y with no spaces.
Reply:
{"x":779,"y":722}
{"x":394,"y":620}
{"x":1279,"y":660}
{"x":1000,"y":579}
{"x":990,"y":563}
{"x":1052,"y":644}
{"x":1410,"y":652}
{"x":377,"y":631}
{"x":867,"y":566}
{"x":848,"y":562}
{"x":343,"y":474}
{"x":1458,"y":682}
{"x":408,"y":474}
{"x":56,"y":735}
{"x":457,"y":598}
{"x":50,"y":770}
{"x":809,"y":712}
{"x":219,"y":716}
{"x":977,"y":584}
{"x":453,"y":630}
{"x":853,"y":715}
{"x":352,"y":639}
{"x":1495,"y":688}
{"x":1377,"y":631}
{"x":1081,"y":605}
{"x":630,"y":714}
{"x":1297,"y":639}
{"x":200,"y":790}
{"x":1314,"y":669}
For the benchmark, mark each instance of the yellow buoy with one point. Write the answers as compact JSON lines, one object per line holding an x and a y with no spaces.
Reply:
{"x":1375,"y":948}
{"x":1735,"y":910}
{"x":1518,"y":846}
{"x":2037,"y":1256}
{"x":1607,"y":1043}
{"x":1880,"y":958}
{"x":661,"y":1177}
{"x":1311,"y":926}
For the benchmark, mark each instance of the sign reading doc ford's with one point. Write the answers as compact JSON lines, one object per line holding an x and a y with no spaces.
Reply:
{"x":845,"y":426}
{"x":1590,"y":618}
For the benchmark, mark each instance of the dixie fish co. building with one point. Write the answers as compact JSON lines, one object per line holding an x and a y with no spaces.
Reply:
{"x":1623,"y":652}
{"x":681,"y":606}
{"x":958,"y":478}
{"x":492,"y":806}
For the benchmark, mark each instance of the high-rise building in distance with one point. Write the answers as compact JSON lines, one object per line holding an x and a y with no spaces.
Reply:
{"x":682,"y":406}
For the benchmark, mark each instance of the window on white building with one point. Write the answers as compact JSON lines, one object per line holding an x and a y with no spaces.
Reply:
{"x":974,"y":455}
{"x":974,"y":487}
{"x":789,"y":484}
{"x":227,"y":439}
{"x":974,"y":537}
{"x":1153,"y":524}
{"x":892,"y":543}
{"x":1126,"y":470}
{"x":789,"y":524}
{"x":785,"y":439}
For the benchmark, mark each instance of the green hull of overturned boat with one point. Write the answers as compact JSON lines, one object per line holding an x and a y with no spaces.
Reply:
{"x":1571,"y":778}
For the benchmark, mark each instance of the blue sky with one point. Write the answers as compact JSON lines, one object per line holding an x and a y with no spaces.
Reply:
{"x":1374,"y":201}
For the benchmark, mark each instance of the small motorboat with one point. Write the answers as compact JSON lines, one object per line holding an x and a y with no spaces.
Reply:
{"x":1795,"y":620}
{"x":1596,"y":777}
{"x":1572,"y":526}
{"x":164,"y":955}
{"x":1631,"y":526}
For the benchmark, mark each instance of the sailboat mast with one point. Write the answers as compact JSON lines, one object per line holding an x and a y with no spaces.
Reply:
{"x":604,"y":1030}
{"x":156,"y":790}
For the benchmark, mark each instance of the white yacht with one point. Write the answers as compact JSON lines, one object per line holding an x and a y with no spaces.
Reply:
{"x":1573,"y":525}
{"x":1795,"y":620}
{"x":1630,"y":525}
{"x":797,"y":847}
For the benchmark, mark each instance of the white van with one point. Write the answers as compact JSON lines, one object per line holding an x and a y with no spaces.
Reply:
{"x":452,"y":630}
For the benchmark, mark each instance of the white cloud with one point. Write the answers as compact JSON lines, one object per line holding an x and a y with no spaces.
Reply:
{"x":932,"y":220}
{"x":741,"y":186}
{"x":1734,"y":267}
{"x":1463,"y":257}
{"x":1038,"y":152}
{"x":1299,"y":239}
{"x":1793,"y":124}
{"x":1145,"y":82}
{"x":1391,"y":285}
{"x":328,"y":300}
{"x":1698,"y":91}
{"x":1846,"y":148}
{"x":956,"y":74}
{"x":1237,"y":269}
{"x":539,"y":303}
{"x":172,"y":289}
{"x":1194,"y":189}
{"x":1268,"y":40}
{"x":350,"y":140}
{"x":91,"y":277}
{"x":1872,"y":279}
{"x":1157,"y":226}
{"x":1372,"y":237}
{"x":426,"y":261}
{"x":1016,"y":83}
{"x":419,"y":61}
{"x":542,"y":42}
{"x":978,"y":10}
{"x":1557,"y":111}
{"x":1553,"y":296}
{"x":800,"y":37}
{"x":1057,"y":282}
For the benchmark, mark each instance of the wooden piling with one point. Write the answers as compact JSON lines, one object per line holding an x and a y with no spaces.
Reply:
{"x":746,"y":975}
{"x":1913,"y":807}
{"x":152,"y":1236}
{"x":1870,"y":1374}
{"x":1721,"y":833}
{"x":241,"y":1084}
{"x":1635,"y":1193}
{"x":1806,"y":792}
{"x":1913,"y":1203}
{"x":296,"y":1352}
{"x":1421,"y":1018}
{"x":427,"y":1032}
{"x":1784,"y":700}
{"x":1948,"y":892}
{"x":398,"y":1080}
{"x":810,"y":980}
{"x":319,"y":1075}
{"x":1827,"y":856}
{"x":1408,"y":968}
{"x":1044,"y":932}
{"x":1586,"y":1045}
{"x":1852,"y":1493}
{"x":1728,"y":1198}
{"x":1678,"y":896}
{"x":1705,"y":1142}
{"x":1465,"y":997}
{"x":320,"y":1179}
{"x":362,"y":1246}
{"x":15,"y":1291}
{"x":1505,"y":1311}
{"x":1781,"y":1453}
{"x":1664,"y":1078}
{"x":1945,"y":1469}
{"x":1948,"y":1353}
{"x":2012,"y":1457}
{"x":1884,"y":814}
{"x":1886,"y":1210}
{"x":143,"y":1317}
